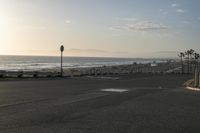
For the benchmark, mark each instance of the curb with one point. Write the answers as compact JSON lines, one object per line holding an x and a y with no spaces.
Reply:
{"x":194,"y":89}
{"x":188,"y":84}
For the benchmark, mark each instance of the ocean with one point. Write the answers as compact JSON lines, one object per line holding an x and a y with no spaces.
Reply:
{"x":30,"y":63}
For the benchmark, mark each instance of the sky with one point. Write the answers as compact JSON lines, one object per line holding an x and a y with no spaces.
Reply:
{"x":99,"y":28}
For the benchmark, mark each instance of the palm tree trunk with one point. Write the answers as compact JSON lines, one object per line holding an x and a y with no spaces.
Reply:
{"x":188,"y":65}
{"x":182,"y":65}
{"x":190,"y":68}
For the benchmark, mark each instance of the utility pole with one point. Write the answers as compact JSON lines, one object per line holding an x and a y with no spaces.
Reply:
{"x":61,"y":65}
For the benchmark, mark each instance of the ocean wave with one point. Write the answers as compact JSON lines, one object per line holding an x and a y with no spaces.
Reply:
{"x":40,"y":63}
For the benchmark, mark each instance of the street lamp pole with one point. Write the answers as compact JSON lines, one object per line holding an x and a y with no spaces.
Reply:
{"x":61,"y":68}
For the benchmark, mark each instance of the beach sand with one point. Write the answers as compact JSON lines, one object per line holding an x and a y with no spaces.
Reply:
{"x":168,"y":67}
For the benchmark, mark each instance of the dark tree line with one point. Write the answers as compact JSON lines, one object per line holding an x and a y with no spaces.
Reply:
{"x":191,"y":59}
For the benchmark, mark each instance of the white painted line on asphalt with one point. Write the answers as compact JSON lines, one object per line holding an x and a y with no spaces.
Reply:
{"x":194,"y":89}
{"x":114,"y":90}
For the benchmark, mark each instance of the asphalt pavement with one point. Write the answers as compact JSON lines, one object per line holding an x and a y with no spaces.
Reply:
{"x":151,"y":104}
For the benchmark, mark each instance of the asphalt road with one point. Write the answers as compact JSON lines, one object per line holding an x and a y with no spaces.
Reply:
{"x":153,"y":104}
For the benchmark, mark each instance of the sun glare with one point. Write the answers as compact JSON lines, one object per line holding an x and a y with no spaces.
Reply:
{"x":6,"y":29}
{"x":4,"y":26}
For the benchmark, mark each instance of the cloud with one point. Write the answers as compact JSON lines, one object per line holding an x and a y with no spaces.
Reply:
{"x":119,"y":28}
{"x":140,"y":25}
{"x":174,"y":5}
{"x":198,"y":18}
{"x":145,"y":26}
{"x":180,"y":11}
{"x":164,"y":12}
{"x":67,"y":21}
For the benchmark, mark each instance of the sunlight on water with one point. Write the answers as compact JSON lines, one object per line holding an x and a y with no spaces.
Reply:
{"x":42,"y":62}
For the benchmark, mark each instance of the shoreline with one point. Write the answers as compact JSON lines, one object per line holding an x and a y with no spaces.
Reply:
{"x":151,"y":68}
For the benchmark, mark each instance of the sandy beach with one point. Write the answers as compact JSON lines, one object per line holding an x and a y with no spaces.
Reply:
{"x":153,"y":103}
{"x":165,"y":67}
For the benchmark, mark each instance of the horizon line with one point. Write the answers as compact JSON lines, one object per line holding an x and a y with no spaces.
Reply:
{"x":92,"y":56}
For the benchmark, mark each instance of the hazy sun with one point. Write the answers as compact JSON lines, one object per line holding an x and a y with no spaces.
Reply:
{"x":5,"y":31}
{"x":4,"y":26}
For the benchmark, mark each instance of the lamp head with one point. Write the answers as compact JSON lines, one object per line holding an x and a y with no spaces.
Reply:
{"x":62,"y":48}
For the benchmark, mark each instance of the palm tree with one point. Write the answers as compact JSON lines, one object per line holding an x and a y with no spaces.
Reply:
{"x":181,"y":55}
{"x":196,"y":57}
{"x":187,"y":53}
{"x":196,"y":75}
{"x":191,"y":52}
